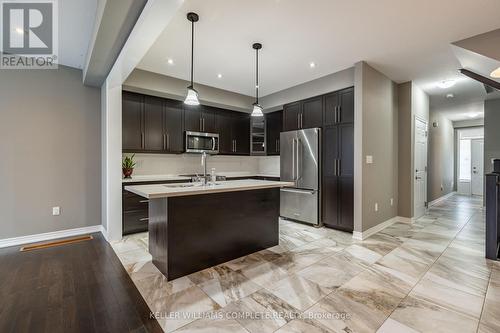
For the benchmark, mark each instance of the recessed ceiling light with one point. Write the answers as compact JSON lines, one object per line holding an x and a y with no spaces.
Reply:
{"x":170,"y":61}
{"x":496,"y":73}
{"x":450,"y":95}
{"x":446,"y":84}
{"x":219,"y":76}
{"x":312,"y":64}
{"x":20,"y":31}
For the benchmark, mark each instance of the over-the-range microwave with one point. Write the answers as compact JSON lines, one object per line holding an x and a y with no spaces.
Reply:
{"x":198,"y":142}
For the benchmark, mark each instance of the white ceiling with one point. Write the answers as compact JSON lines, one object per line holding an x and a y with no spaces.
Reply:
{"x":406,"y":40}
{"x":76,"y":23}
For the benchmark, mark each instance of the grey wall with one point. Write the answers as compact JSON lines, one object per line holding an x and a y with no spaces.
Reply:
{"x":378,"y":105}
{"x":441,"y":163}
{"x":491,"y":132}
{"x":50,"y":149}
{"x":412,"y":102}
{"x":169,"y":87}
{"x":322,"y":85}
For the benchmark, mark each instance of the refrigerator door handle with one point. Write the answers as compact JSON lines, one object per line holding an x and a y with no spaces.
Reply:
{"x":298,"y":158}
{"x":297,"y":191}
{"x":293,"y":159}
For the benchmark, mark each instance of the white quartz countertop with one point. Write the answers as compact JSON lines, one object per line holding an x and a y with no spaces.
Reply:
{"x":183,"y":189}
{"x":230,"y":174}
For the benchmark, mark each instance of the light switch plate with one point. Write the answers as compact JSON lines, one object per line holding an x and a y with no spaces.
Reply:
{"x":376,"y":207}
{"x":369,"y":159}
{"x":56,"y":211}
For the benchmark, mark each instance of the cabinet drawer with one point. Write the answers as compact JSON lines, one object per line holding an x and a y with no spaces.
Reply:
{"x":133,"y":202}
{"x":135,"y":221}
{"x":300,"y":205}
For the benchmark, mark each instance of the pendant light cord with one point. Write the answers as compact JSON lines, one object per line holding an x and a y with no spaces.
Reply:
{"x":192,"y":51}
{"x":257,"y":75}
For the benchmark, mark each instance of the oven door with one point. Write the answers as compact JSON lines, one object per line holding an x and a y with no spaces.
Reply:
{"x":197,"y":142}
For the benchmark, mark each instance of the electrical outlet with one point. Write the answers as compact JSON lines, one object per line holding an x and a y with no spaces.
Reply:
{"x":392,"y":201}
{"x":56,"y":211}
{"x":376,"y":207}
{"x":369,"y":159}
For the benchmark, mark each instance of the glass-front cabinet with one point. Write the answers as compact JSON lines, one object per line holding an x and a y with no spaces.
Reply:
{"x":258,"y":136}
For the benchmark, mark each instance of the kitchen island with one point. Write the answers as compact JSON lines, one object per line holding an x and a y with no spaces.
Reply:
{"x":194,"y":226}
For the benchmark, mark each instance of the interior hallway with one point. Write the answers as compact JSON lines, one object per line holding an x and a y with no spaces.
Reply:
{"x":429,"y":275}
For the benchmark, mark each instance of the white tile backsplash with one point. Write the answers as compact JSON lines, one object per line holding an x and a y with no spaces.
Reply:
{"x":163,"y":164}
{"x":159,"y":164}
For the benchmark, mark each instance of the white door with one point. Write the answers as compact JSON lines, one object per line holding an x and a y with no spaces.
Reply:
{"x":477,"y":153}
{"x":420,"y":176}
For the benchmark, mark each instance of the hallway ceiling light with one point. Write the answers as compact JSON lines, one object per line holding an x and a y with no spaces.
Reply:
{"x":192,"y":94}
{"x":312,"y":64}
{"x":257,"y":109}
{"x":446,"y":84}
{"x":450,"y":95}
{"x":170,"y":61}
{"x":219,"y":76}
{"x":496,"y":73}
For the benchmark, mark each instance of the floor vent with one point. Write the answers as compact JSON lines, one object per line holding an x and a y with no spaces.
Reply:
{"x":45,"y":245}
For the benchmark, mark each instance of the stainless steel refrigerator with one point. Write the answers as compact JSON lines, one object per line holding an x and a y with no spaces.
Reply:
{"x":300,"y":162}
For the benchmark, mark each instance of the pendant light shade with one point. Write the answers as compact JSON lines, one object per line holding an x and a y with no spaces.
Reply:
{"x":192,"y":94}
{"x":191,"y":97}
{"x":257,"y":109}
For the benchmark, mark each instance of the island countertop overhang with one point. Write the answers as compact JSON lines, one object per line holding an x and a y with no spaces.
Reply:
{"x":158,"y":191}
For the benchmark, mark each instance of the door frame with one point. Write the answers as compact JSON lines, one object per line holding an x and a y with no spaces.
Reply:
{"x":414,"y":180}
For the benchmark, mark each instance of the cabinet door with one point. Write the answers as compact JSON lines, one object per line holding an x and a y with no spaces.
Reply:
{"x":208,"y":119}
{"x":174,"y":135}
{"x":312,"y":113}
{"x":274,"y":124}
{"x":291,"y":114}
{"x":330,"y":198}
{"x":241,"y":133}
{"x":224,"y":123}
{"x":330,"y":151}
{"x":346,"y":105}
{"x":192,"y":118}
{"x":331,"y":105}
{"x":132,"y":122}
{"x":153,"y":124}
{"x":346,"y":176}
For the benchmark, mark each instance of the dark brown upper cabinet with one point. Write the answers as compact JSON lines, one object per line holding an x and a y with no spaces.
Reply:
{"x":291,"y":116}
{"x":173,"y":131}
{"x":312,"y":113}
{"x":234,"y":132}
{"x":132,"y":122}
{"x":274,"y":126}
{"x":339,"y":107}
{"x":199,"y":118}
{"x":303,"y":114}
{"x":151,"y":124}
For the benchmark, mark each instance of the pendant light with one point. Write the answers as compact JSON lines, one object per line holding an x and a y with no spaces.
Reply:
{"x":192,"y":94}
{"x":257,"y":109}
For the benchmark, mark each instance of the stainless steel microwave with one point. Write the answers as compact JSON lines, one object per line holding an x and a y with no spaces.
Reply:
{"x":198,"y":142}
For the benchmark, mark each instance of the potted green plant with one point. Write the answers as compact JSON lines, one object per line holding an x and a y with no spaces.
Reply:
{"x":128,"y":165}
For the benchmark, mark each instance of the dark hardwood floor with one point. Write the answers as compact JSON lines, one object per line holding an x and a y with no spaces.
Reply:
{"x":71,"y":288}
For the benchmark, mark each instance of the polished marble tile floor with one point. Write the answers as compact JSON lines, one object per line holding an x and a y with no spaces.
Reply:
{"x":428,"y":276}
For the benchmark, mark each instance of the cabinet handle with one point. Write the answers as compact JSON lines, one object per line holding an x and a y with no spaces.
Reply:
{"x":164,"y":142}
{"x":298,"y":120}
{"x":203,"y":122}
{"x":340,"y":114}
{"x":168,"y":141}
{"x":144,"y":219}
{"x":235,"y":145}
{"x":278,"y":145}
{"x":201,"y":126}
{"x":339,"y":171}
{"x":301,"y":121}
{"x":335,"y":167}
{"x":142,"y":140}
{"x":144,"y":201}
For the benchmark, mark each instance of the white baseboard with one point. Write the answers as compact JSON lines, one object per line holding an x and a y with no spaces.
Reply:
{"x":379,"y":227}
{"x":444,"y":197}
{"x":51,"y":235}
